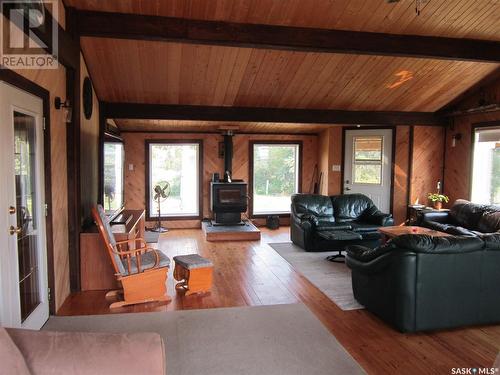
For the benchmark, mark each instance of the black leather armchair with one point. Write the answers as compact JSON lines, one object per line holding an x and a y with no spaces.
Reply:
{"x":420,"y":283}
{"x":464,"y":218}
{"x":323,"y":223}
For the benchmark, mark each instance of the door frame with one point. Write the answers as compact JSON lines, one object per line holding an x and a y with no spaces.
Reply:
{"x":393,"y":155}
{"x":26,"y":85}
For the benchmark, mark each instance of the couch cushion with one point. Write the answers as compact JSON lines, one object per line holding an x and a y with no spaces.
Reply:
{"x":491,"y":241}
{"x":490,"y":220}
{"x":334,"y":226}
{"x":364,"y":227}
{"x":83,"y":353}
{"x":11,"y":358}
{"x":448,"y":228}
{"x":340,"y":235}
{"x":318,"y":205}
{"x":148,"y":260}
{"x":423,"y":243}
{"x":466,"y":214}
{"x":350,"y":207}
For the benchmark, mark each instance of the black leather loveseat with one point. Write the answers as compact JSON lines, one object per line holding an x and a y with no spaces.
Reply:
{"x":329,"y":223}
{"x":464,"y":218}
{"x":420,"y":283}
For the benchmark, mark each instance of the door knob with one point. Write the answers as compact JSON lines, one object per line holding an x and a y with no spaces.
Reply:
{"x":347,"y":188}
{"x":12,"y":210}
{"x":15,"y":230}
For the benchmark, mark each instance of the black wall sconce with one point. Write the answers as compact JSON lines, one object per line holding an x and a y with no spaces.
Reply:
{"x":58,"y":104}
{"x":456,"y":137}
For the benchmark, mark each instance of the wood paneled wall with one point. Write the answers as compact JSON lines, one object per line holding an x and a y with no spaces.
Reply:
{"x":427,"y":164}
{"x":401,"y":172}
{"x":55,"y":82}
{"x":330,"y":154}
{"x":459,"y":158}
{"x":89,"y":153}
{"x":135,"y":154}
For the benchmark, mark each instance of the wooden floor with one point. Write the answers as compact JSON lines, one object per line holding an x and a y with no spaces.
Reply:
{"x":252,"y":273}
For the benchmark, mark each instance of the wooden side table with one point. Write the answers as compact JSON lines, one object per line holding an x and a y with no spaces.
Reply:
{"x":391,"y":232}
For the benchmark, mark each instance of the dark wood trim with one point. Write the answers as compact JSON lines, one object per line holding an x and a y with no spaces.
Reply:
{"x":100,"y":158}
{"x":169,"y":29}
{"x":147,"y":142}
{"x":257,"y":114}
{"x":73,"y":161}
{"x":474,"y":126}
{"x":393,"y":155}
{"x":68,"y":49}
{"x":215,"y":132}
{"x":251,"y":144}
{"x":24,"y":84}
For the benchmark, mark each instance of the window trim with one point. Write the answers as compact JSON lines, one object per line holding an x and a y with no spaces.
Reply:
{"x":122,"y":206}
{"x":472,"y":149}
{"x":147,"y":144}
{"x":251,"y":170}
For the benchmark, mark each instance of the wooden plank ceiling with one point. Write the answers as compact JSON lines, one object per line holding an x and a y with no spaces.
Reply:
{"x":173,"y":73}
{"x":475,"y":19}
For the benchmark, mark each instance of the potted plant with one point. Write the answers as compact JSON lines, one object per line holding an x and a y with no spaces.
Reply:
{"x":437,"y":200}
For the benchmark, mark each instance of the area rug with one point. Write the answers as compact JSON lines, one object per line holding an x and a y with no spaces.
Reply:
{"x":151,"y":237}
{"x":262,"y":340}
{"x":333,"y":279}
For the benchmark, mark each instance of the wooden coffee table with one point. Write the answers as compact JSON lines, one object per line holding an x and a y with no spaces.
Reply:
{"x":391,"y":232}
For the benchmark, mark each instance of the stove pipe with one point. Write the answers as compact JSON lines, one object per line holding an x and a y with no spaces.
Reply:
{"x":228,"y":155}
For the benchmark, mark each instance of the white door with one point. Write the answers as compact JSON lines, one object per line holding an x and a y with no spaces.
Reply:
{"x":367,"y":166}
{"x":23,"y":254}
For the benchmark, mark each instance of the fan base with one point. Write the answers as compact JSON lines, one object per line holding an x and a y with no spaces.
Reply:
{"x":159,"y":229}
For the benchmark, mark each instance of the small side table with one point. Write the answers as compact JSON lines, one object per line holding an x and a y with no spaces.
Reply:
{"x":415,"y":213}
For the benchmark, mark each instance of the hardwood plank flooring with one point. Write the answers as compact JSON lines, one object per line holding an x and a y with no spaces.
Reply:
{"x":252,"y":273}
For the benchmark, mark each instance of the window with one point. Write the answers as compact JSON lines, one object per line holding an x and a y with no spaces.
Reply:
{"x":486,"y":166}
{"x":367,"y":166}
{"x":275,"y":177}
{"x":113,"y":176}
{"x":174,"y":168}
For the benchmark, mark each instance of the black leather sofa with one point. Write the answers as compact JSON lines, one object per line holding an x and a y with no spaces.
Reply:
{"x":328,"y":223}
{"x":421,"y":283}
{"x":464,"y":218}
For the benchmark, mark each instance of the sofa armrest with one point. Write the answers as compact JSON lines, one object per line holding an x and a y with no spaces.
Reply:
{"x":436,"y":216}
{"x":366,"y":262}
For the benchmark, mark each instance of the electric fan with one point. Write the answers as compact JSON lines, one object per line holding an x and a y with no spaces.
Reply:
{"x":161,"y":192}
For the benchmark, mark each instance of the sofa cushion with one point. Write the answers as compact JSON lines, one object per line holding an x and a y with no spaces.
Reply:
{"x":448,"y":228}
{"x":490,"y":220}
{"x":11,"y":358}
{"x":423,"y":243}
{"x":83,"y":353}
{"x":364,"y":227}
{"x":333,"y":226}
{"x":466,"y":214}
{"x":491,"y":241}
{"x":311,"y":204}
{"x":350,"y":207}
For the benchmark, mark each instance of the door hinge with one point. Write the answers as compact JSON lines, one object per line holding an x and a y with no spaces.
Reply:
{"x":46,"y":210}
{"x":43,"y":122}
{"x":49,"y":294}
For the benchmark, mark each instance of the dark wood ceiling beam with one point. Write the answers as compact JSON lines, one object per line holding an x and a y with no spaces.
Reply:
{"x":277,"y":115}
{"x":157,"y":28}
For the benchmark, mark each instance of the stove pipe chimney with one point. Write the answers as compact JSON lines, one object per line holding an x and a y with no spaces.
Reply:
{"x":228,"y":155}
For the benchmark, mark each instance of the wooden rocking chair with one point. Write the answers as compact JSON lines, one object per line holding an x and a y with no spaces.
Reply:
{"x":142,"y":271}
